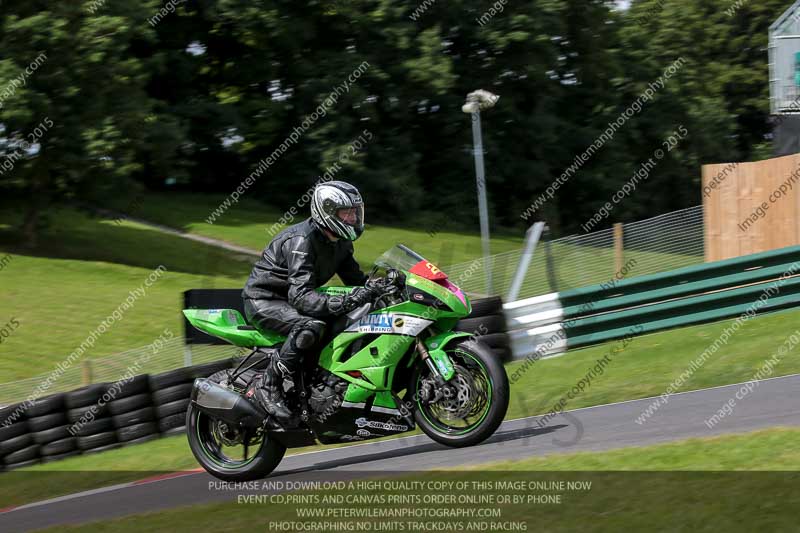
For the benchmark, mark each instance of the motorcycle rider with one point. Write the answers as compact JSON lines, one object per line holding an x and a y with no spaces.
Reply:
{"x":279,"y":294}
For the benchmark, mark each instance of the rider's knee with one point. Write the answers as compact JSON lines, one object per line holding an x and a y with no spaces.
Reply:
{"x":309,"y":334}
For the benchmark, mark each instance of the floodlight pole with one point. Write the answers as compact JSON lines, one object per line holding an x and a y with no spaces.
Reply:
{"x":476,"y":101}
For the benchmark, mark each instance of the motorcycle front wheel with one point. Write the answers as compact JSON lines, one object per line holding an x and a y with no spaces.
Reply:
{"x":476,"y":403}
{"x":230,"y":453}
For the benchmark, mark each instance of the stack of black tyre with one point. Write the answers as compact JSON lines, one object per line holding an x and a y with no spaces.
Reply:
{"x":171,"y":393}
{"x":132,"y":412}
{"x":49,"y":427}
{"x":487,"y":322}
{"x":89,"y":419}
{"x":17,"y":448}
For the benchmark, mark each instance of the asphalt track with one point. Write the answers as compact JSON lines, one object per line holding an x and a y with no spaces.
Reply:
{"x":773,"y":402}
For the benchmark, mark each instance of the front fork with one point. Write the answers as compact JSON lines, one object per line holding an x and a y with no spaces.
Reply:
{"x":425,"y":355}
{"x":442,"y":371}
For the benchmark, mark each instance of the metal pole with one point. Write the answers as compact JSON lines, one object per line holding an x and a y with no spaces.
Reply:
{"x":483,"y":209}
{"x":187,"y":355}
{"x":618,"y":248}
{"x":532,"y":237}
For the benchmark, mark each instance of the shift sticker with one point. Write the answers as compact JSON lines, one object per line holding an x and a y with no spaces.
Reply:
{"x":390,"y":323}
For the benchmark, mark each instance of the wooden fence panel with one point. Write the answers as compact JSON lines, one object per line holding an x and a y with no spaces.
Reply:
{"x":751,"y":207}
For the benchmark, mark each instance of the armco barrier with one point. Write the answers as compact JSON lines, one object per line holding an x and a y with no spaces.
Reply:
{"x":550,"y":324}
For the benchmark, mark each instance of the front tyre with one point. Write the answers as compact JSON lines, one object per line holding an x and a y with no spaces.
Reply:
{"x":476,"y":403}
{"x":230,"y":453}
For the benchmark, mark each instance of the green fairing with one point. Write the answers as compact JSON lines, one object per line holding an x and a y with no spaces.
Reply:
{"x":377,"y":370}
{"x":436,"y":345}
{"x":459,"y":309}
{"x":224,"y":323}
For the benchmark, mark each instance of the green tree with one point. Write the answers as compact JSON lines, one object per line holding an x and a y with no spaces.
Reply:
{"x":92,"y":87}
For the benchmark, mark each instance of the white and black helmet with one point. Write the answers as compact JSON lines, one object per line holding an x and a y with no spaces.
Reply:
{"x":338,"y":207}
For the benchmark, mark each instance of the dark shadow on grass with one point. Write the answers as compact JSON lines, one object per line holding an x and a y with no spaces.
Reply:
{"x":253,"y":210}
{"x":75,"y":235}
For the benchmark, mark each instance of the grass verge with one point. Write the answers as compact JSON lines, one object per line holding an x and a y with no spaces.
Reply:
{"x":579,"y":499}
{"x":83,"y":270}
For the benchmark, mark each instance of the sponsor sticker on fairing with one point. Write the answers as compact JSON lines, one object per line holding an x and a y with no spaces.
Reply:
{"x":363,"y":422}
{"x":390,"y":323}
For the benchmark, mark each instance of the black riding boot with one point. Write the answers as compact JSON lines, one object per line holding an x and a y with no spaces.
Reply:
{"x":271,"y":393}
{"x":283,"y":371}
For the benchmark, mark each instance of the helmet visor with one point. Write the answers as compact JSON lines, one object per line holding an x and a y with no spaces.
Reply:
{"x":352,"y":217}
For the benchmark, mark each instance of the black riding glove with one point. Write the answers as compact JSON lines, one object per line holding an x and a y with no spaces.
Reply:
{"x":339,"y":305}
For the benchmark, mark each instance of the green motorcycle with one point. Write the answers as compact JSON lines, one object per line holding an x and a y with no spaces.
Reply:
{"x":385,"y":368}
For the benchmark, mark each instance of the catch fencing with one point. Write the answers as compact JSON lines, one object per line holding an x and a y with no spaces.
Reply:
{"x":657,"y":244}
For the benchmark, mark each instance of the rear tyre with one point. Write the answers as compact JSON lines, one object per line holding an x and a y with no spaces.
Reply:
{"x":479,"y":401}
{"x":229,"y":453}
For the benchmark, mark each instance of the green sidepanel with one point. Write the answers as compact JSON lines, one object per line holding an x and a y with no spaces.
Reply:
{"x":224,"y":324}
{"x":384,"y":399}
{"x":377,"y":371}
{"x":357,"y":394}
{"x":376,"y":361}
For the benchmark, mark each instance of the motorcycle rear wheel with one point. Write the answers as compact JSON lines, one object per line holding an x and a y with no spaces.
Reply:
{"x":229,"y":453}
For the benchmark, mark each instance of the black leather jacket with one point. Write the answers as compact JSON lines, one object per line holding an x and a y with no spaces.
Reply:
{"x":298,"y":260}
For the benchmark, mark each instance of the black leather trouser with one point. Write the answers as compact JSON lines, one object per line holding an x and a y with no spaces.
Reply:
{"x":303,"y":333}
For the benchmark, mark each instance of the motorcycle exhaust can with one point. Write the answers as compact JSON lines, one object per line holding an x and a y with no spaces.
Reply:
{"x":222,"y":403}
